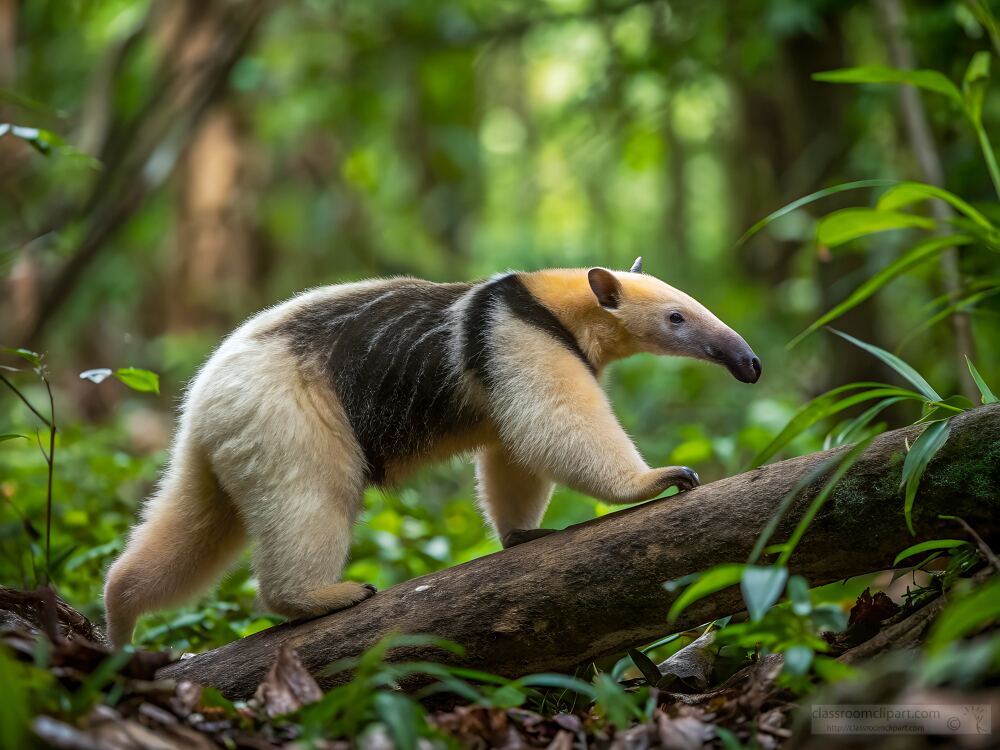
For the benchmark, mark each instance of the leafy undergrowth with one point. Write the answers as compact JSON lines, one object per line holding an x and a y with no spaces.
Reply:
{"x":61,"y":687}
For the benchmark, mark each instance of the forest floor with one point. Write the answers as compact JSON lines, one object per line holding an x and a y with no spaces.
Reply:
{"x":114,"y":700}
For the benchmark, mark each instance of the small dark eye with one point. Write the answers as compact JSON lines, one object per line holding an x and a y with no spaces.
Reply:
{"x":676,"y":317}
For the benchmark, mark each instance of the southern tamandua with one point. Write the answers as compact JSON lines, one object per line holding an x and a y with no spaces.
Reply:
{"x":350,"y":385}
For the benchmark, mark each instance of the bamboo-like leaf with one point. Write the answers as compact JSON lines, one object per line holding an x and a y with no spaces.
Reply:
{"x":849,"y":224}
{"x":806,"y":200}
{"x":963,"y":304}
{"x":965,"y":615}
{"x":930,"y":544}
{"x":924,"y":448}
{"x":826,"y":405}
{"x":921,"y":253}
{"x":712,"y":580}
{"x":986,"y":395}
{"x":929,"y":80}
{"x":907,"y":193}
{"x":977,"y":77}
{"x":896,"y":364}
{"x":856,"y":425}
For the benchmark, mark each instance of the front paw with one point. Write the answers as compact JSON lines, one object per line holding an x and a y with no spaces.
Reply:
{"x":681,"y":477}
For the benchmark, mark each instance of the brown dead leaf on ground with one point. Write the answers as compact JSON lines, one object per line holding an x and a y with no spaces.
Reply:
{"x":287,"y":687}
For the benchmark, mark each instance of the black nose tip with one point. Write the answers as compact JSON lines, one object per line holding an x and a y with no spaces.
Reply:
{"x":751,"y":369}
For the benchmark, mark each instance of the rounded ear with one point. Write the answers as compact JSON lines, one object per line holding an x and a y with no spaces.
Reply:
{"x":605,"y":287}
{"x":637,"y":266}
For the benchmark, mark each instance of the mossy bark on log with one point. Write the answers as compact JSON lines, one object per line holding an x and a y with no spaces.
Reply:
{"x":596,"y":588}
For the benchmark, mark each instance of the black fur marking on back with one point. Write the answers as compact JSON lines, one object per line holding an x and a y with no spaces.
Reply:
{"x":385,"y":351}
{"x":511,"y":292}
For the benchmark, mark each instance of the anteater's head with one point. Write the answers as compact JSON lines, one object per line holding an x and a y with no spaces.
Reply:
{"x":660,"y":319}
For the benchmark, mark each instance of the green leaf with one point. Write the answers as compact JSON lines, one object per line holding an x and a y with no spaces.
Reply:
{"x":15,"y":705}
{"x":930,"y":544}
{"x":921,"y":253}
{"x":907,"y":193}
{"x":646,"y":666}
{"x":33,"y":357}
{"x":145,"y":381}
{"x":929,"y":80}
{"x":729,"y":740}
{"x":798,"y":592}
{"x":829,"y":616}
{"x":826,"y":405}
{"x":402,"y":716}
{"x":11,"y":436}
{"x":966,"y":615}
{"x":41,"y":140}
{"x":562,"y":681}
{"x":617,"y":706}
{"x":921,"y":452}
{"x":853,"y":428}
{"x":797,"y":660}
{"x":831,"y":670}
{"x":762,"y":587}
{"x":851,"y":223}
{"x":712,"y":580}
{"x":896,"y":364}
{"x":977,"y":77}
{"x":806,"y":200}
{"x":986,"y":395}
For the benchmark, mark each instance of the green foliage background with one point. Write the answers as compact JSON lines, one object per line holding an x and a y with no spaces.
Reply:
{"x":454,"y":140}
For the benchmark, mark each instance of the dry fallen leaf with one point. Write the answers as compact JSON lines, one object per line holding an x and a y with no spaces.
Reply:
{"x":288,"y":686}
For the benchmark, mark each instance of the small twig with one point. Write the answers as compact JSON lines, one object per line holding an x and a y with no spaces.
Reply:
{"x":48,"y":490}
{"x":25,"y":400}
{"x":988,"y":553}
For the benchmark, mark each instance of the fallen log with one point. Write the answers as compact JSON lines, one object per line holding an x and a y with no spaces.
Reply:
{"x":596,"y":588}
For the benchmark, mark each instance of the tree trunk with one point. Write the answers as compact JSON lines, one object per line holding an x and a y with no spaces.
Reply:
{"x":596,"y":588}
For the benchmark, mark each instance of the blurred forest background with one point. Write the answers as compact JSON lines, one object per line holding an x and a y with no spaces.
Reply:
{"x":200,"y":159}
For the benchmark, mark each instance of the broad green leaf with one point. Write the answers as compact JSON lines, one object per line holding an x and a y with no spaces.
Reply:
{"x":929,"y":80}
{"x":827,"y":405}
{"x":829,"y":616}
{"x":712,"y":580}
{"x":806,"y":200}
{"x":966,"y":615}
{"x":930,"y":544}
{"x":33,"y":357}
{"x":896,"y":364}
{"x":851,"y":223}
{"x":986,"y":395}
{"x":924,"y":448}
{"x":646,"y":666}
{"x":145,"y":381}
{"x":907,"y":193}
{"x":798,"y":592}
{"x":404,"y":718}
{"x":921,"y":253}
{"x":15,"y":702}
{"x":977,"y":77}
{"x":797,"y":660}
{"x":762,"y":586}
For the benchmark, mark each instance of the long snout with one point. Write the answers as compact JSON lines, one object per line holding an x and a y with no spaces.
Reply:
{"x":734,"y":353}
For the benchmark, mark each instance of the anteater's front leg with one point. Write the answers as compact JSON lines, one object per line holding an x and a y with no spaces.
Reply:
{"x":511,"y":496}
{"x":561,"y":426}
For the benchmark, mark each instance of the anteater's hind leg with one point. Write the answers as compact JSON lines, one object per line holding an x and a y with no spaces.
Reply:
{"x":298,"y":477}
